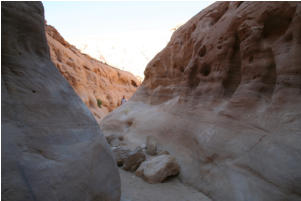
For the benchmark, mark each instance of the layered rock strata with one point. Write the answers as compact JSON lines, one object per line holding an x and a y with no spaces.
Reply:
{"x":52,"y":147}
{"x":100,"y":86}
{"x":224,"y":98}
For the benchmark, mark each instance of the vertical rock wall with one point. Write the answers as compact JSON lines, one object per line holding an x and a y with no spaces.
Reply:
{"x":52,"y":147}
{"x":224,"y":97}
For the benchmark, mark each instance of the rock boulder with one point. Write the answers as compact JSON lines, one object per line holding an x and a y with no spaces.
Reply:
{"x":158,"y":168}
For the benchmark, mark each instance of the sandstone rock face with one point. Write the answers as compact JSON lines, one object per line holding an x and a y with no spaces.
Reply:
{"x":92,"y":80}
{"x":158,"y":168}
{"x":224,"y":97}
{"x":52,"y":147}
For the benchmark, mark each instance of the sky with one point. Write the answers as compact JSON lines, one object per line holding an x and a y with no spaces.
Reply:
{"x":125,"y":34}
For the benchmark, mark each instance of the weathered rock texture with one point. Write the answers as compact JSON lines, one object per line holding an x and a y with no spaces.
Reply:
{"x":91,"y":79}
{"x":224,"y":98}
{"x":52,"y":147}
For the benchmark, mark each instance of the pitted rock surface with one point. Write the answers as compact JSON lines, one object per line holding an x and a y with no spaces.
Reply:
{"x":91,"y":79}
{"x":224,"y":98}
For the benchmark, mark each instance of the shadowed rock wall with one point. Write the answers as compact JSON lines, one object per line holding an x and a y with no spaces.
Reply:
{"x":52,"y":147}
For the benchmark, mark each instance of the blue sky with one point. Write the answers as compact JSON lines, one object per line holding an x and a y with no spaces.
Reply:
{"x":107,"y":17}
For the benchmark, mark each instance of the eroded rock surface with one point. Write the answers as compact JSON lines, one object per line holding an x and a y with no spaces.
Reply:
{"x":52,"y":147}
{"x":100,"y":86}
{"x":224,"y":97}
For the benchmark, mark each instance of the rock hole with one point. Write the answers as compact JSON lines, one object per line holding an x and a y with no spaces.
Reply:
{"x":251,"y":59}
{"x":193,"y":79}
{"x":134,"y":83}
{"x":205,"y":70}
{"x":129,"y":123}
{"x":33,"y":91}
{"x":202,"y":51}
{"x":275,"y":26}
{"x":219,"y":47}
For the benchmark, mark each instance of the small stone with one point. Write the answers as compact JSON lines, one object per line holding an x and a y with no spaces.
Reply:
{"x":162,"y":152}
{"x":158,"y":168}
{"x":143,"y":146}
{"x":134,"y":159}
{"x":114,"y":140}
{"x":151,"y":145}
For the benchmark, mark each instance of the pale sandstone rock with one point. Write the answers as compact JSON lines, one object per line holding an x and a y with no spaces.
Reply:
{"x":151,"y":145}
{"x":92,"y":80}
{"x":224,"y":97}
{"x":158,"y":168}
{"x":52,"y":147}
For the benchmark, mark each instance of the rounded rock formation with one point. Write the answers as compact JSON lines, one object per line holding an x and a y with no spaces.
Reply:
{"x":52,"y":147}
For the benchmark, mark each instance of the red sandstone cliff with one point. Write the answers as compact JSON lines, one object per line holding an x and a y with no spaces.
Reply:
{"x":224,"y":97}
{"x":91,"y":79}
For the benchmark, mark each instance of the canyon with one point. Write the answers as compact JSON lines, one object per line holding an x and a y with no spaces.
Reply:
{"x":222,"y":98}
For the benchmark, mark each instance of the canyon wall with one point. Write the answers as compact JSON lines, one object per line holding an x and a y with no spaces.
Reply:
{"x":52,"y":147}
{"x":92,"y":80}
{"x":224,"y":97}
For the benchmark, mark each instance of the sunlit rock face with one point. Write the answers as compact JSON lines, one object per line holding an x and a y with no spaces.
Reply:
{"x":52,"y":147}
{"x":224,"y":98}
{"x":92,"y":80}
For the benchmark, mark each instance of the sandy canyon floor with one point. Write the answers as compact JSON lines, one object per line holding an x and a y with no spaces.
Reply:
{"x":133,"y":188}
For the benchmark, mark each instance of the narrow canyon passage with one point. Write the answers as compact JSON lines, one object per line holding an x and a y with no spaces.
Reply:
{"x":216,"y":118}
